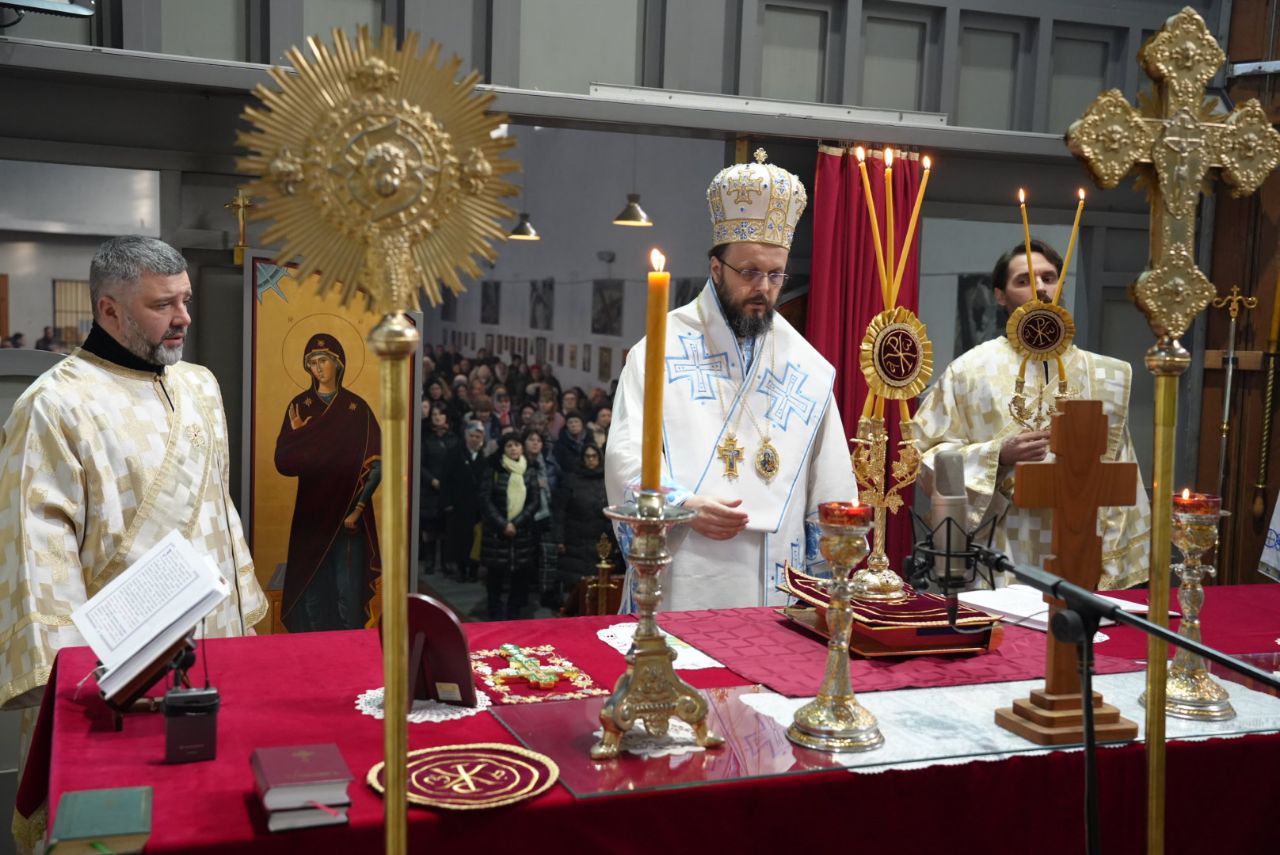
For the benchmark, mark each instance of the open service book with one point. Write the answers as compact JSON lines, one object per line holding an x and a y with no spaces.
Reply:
{"x":1022,"y":605}
{"x":146,"y":610}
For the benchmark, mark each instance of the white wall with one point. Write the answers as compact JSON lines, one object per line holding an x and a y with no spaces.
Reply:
{"x":32,"y":263}
{"x":577,"y":184}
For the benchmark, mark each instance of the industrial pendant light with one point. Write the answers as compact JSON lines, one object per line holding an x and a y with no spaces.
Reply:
{"x":524,"y":230}
{"x":632,"y":214}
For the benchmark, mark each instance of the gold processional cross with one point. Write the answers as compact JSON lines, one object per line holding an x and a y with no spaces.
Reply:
{"x":1175,"y":135}
{"x":1173,"y":141}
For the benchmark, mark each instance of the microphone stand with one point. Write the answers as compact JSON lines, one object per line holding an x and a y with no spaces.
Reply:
{"x":1079,"y":622}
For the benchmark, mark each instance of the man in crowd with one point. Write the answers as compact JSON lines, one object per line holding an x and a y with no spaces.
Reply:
{"x":753,"y":437}
{"x":967,"y":410}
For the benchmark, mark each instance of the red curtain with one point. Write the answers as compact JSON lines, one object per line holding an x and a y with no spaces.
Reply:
{"x":844,"y":294}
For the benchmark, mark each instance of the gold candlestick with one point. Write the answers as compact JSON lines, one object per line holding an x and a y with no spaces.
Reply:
{"x":834,"y":721}
{"x":650,"y":691}
{"x":1189,"y":690}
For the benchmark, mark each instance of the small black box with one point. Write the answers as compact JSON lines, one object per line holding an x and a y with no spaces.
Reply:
{"x":190,"y":725}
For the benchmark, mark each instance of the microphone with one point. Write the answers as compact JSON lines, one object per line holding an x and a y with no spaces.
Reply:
{"x":949,"y":508}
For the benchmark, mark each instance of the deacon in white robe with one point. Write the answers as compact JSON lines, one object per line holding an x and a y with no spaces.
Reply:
{"x":752,"y":437}
{"x":967,"y":410}
{"x":105,"y":454}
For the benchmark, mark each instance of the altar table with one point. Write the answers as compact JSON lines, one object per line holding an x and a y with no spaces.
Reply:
{"x":297,"y":689}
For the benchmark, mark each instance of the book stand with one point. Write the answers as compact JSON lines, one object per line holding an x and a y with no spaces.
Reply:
{"x":179,"y":657}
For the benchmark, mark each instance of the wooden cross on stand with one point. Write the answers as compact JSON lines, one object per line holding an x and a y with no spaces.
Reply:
{"x":1075,"y":484}
{"x":1174,"y":146}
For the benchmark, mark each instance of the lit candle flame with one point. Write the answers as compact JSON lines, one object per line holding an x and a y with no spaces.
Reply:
{"x":1186,"y":493}
{"x":657,"y":259}
{"x":888,"y":157}
{"x":1081,"y":192}
{"x":928,"y":164}
{"x":861,"y":153}
{"x":1022,"y":196}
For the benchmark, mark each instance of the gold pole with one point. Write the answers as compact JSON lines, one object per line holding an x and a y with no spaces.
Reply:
{"x":394,"y":340}
{"x":1166,"y":360}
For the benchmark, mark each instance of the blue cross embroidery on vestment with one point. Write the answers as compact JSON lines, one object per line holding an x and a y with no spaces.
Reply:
{"x":698,"y":367}
{"x":785,"y":397}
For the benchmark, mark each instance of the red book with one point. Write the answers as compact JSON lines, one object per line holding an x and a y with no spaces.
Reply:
{"x":295,"y":776}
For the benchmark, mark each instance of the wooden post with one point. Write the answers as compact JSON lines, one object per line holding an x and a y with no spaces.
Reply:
{"x":1076,"y":484}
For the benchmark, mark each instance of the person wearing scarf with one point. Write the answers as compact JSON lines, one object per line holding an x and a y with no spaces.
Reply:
{"x":511,"y":500}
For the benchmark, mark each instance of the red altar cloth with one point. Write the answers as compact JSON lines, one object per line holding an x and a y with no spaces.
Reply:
{"x":764,"y":647}
{"x":294,"y":689}
{"x":1235,"y":619}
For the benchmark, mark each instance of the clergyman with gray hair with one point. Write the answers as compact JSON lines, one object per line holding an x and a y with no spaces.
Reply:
{"x":106,"y":453}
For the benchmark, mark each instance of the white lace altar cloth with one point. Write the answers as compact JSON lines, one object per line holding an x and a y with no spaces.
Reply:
{"x":680,"y":739}
{"x":954,"y":725}
{"x":688,"y":658}
{"x":370,"y":704}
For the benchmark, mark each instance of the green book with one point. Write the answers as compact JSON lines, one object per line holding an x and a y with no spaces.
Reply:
{"x":97,"y":822}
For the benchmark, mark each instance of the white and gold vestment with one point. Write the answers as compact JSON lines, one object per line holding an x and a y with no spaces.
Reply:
{"x":97,"y":463}
{"x":967,"y":410}
{"x":714,"y":390}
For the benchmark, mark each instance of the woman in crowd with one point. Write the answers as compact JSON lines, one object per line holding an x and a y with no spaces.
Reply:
{"x":439,"y":447}
{"x":579,"y":520}
{"x":511,"y":501}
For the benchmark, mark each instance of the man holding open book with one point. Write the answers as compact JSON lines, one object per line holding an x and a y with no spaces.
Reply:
{"x":105,"y":454}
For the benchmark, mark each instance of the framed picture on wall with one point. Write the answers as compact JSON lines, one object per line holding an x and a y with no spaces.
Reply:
{"x":311,"y":429}
{"x":978,"y":318}
{"x":542,"y":305}
{"x":448,"y":306}
{"x":606,"y":307}
{"x":540,"y":350}
{"x":605,"y":372}
{"x":573,"y":356}
{"x":560,"y":353}
{"x":488,"y":342}
{"x":490,"y":301}
{"x":683,"y":291}
{"x":586,"y":357}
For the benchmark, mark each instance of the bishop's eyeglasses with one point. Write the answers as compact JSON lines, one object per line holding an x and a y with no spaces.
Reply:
{"x":753,"y":276}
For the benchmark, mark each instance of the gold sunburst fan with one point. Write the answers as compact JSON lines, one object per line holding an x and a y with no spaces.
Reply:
{"x":378,"y":168}
{"x":1040,"y":330}
{"x":896,"y":355}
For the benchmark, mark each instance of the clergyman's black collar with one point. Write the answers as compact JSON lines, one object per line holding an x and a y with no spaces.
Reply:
{"x":101,"y":344}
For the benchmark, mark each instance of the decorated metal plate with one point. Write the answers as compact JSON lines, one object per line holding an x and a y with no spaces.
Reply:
{"x":896,"y":354}
{"x":472,"y":777}
{"x":1040,"y":330}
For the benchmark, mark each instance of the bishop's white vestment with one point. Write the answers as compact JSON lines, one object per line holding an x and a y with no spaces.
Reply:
{"x":711,"y":390}
{"x":97,"y":463}
{"x":967,"y":410}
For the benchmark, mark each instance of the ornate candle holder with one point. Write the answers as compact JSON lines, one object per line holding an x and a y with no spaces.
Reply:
{"x":649,"y":691}
{"x":1189,"y":690}
{"x":834,"y":721}
{"x":876,"y":581}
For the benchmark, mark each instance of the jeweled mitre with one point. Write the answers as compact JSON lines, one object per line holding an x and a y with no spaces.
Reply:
{"x":755,"y":203}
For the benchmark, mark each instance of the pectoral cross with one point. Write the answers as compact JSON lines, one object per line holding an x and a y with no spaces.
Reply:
{"x":730,"y":454}
{"x":1180,"y":148}
{"x":526,"y":667}
{"x":1076,"y":484}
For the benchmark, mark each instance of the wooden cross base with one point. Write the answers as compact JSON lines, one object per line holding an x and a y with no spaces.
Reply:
{"x":1047,"y":719}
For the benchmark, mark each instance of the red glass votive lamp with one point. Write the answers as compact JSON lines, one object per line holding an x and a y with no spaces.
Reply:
{"x":1204,"y":504}
{"x":845,"y":513}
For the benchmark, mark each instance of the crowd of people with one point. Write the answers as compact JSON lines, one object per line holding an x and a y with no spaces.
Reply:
{"x":49,"y":340}
{"x":512,"y":487}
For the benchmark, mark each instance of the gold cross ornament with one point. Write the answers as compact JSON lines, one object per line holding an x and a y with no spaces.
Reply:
{"x":730,"y":454}
{"x":1234,"y":300}
{"x":1174,"y":142}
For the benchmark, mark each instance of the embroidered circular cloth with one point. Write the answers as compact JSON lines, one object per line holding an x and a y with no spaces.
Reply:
{"x":471,"y":777}
{"x":370,"y":703}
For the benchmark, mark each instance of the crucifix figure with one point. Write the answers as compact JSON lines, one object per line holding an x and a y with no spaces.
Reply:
{"x":1171,"y":142}
{"x":241,"y":205}
{"x":730,"y":454}
{"x":1075,"y":484}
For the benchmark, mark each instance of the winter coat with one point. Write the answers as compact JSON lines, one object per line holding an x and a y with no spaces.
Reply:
{"x":580,"y":520}
{"x":496,"y":549}
{"x":437,"y":452}
{"x":467,"y":479}
{"x":568,"y":452}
